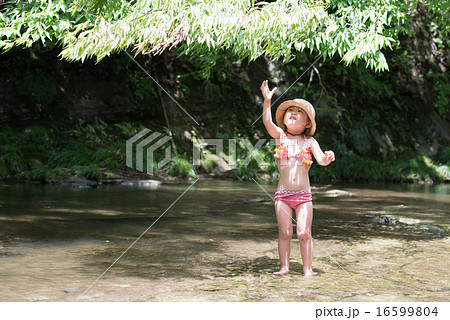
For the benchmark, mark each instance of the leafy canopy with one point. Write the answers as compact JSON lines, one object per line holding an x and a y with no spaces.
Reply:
{"x":352,"y":29}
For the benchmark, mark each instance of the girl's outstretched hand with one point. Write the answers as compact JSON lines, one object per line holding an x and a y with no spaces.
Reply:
{"x":266,"y":92}
{"x":329,"y":155}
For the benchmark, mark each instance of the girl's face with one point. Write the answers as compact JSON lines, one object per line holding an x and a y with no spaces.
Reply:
{"x":296,"y":119}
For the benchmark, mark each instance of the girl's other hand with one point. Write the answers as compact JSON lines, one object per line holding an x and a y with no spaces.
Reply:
{"x":266,"y":92}
{"x":329,"y":155}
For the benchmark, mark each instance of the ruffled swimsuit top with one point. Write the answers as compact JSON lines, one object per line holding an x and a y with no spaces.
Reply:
{"x":304,"y":155}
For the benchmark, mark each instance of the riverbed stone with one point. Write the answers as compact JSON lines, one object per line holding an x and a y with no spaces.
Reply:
{"x":335,"y":193}
{"x":143,"y":183}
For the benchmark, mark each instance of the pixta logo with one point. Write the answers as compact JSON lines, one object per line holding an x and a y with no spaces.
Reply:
{"x":252,"y":151}
{"x":146,"y":144}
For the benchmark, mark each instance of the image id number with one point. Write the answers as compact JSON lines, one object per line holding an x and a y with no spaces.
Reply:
{"x":406,"y":311}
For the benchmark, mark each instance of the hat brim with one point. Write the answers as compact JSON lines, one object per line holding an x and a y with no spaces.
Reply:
{"x":302,"y":104}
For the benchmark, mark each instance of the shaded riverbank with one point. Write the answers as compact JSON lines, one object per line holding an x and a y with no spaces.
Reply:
{"x":218,"y":242}
{"x":94,"y":155}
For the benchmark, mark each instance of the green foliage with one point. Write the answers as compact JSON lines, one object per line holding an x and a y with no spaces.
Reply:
{"x":127,"y":130}
{"x":409,"y":167}
{"x":90,"y":172}
{"x":92,"y":134}
{"x":3,"y":169}
{"x":75,"y":153}
{"x":362,"y":29}
{"x":18,"y":159}
{"x":441,"y":9}
{"x":143,"y":87}
{"x":352,"y":29}
{"x":182,"y":168}
{"x":442,"y":102}
{"x":38,"y":153}
{"x":23,"y":23}
{"x":38,"y":136}
{"x":249,"y":171}
{"x":444,"y":156}
{"x":417,"y":167}
{"x":42,"y":173}
{"x":18,"y":152}
{"x":12,"y":158}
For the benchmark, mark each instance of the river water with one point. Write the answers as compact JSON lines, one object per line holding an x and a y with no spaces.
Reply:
{"x":212,"y":240}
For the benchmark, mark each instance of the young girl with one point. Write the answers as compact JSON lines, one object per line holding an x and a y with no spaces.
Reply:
{"x":296,"y":126}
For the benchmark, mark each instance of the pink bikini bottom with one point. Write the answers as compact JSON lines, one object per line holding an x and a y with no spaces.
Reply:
{"x":293,"y":198}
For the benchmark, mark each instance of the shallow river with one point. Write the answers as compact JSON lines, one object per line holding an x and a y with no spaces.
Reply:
{"x":217,"y":241}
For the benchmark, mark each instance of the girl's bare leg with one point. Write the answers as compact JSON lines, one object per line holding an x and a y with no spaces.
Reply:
{"x":285,"y":231}
{"x":304,"y":221}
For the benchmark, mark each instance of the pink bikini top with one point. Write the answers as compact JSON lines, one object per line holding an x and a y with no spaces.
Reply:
{"x":305,"y":155}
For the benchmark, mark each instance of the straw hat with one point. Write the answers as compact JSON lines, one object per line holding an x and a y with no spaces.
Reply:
{"x":302,"y":104}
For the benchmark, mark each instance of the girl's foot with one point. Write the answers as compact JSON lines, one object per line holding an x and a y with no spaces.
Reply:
{"x":282,"y":272}
{"x":309,"y":273}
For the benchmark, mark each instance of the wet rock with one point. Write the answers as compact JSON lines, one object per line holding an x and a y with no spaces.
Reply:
{"x":396,"y":220}
{"x":409,"y":221}
{"x":143,"y":183}
{"x":110,"y":177}
{"x":337,"y":193}
{"x":150,"y":183}
{"x":432,"y":229}
{"x":384,"y":220}
{"x":256,"y":200}
{"x":407,"y":224}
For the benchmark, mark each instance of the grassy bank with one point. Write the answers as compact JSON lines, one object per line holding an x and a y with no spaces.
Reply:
{"x":97,"y":152}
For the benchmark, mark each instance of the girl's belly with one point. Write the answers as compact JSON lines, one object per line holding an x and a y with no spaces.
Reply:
{"x":293,"y":174}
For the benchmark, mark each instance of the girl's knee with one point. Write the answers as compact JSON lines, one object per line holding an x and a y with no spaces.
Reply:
{"x":302,"y":235}
{"x":285,"y":233}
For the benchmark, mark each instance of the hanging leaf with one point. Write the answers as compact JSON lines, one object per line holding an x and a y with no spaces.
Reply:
{"x":353,"y":29}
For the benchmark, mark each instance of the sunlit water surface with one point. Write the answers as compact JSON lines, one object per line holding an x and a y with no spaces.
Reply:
{"x":218,"y":242}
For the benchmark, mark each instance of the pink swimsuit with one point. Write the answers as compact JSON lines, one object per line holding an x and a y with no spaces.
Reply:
{"x":293,"y":198}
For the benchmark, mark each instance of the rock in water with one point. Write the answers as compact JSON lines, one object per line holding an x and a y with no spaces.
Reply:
{"x":337,"y":193}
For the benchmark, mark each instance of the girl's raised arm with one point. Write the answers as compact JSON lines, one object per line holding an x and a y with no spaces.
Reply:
{"x":272,"y":128}
{"x":322,"y":158}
